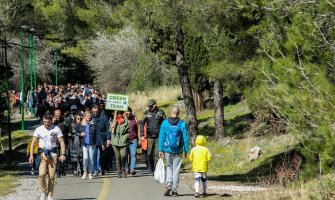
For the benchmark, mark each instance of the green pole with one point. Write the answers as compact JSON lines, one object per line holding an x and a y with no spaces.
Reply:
{"x":34,"y":55}
{"x":22,"y":80}
{"x":56,"y":66}
{"x":30,"y":69}
{"x":7,"y":94}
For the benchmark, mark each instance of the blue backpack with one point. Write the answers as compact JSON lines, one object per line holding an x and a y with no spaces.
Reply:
{"x":173,"y":136}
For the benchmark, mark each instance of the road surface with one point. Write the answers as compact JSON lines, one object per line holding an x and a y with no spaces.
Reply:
{"x":140,"y":187}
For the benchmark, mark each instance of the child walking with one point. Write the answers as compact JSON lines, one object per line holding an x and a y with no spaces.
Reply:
{"x":199,"y":157}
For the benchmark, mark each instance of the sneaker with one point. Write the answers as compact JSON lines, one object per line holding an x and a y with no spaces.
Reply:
{"x":84,"y":176}
{"x":167,"y":190}
{"x":32,"y":172}
{"x":133,"y":172}
{"x":43,"y":196}
{"x":196,"y":195}
{"x":103,"y":172}
{"x":75,"y":173}
{"x":175,"y":193}
{"x":119,"y":174}
{"x":49,"y":197}
{"x":204,"y":194}
{"x":90,"y":176}
{"x":96,"y":173}
{"x":124,"y":174}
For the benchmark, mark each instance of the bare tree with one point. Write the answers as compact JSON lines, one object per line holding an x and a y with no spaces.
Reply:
{"x":112,"y":59}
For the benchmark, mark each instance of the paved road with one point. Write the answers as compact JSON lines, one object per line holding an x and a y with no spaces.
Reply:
{"x":139,"y":187}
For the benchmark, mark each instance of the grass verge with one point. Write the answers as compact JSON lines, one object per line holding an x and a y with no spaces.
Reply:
{"x":18,"y":138}
{"x":7,"y":182}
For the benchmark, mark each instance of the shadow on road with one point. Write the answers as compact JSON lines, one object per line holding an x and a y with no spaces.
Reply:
{"x":77,"y":199}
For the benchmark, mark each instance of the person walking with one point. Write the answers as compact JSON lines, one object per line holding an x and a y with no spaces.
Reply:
{"x":120,"y":134}
{"x":88,"y":137}
{"x":76,"y":149}
{"x":199,"y":157}
{"x":153,"y":118}
{"x":58,"y":120}
{"x":103,"y":140}
{"x":173,"y":140}
{"x":47,"y":135}
{"x":133,"y":140}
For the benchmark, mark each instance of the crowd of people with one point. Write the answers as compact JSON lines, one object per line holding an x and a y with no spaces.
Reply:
{"x":77,"y":134}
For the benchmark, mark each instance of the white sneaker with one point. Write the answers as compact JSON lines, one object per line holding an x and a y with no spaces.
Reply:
{"x":43,"y":196}
{"x":32,"y":172}
{"x":90,"y":176}
{"x":49,"y":197}
{"x":84,"y":176}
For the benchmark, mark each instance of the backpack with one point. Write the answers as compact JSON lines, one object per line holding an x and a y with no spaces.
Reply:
{"x":173,"y":135}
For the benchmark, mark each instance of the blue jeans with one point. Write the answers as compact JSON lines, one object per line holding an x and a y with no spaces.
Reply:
{"x":131,"y":149}
{"x":88,"y":158}
{"x":97,"y":158}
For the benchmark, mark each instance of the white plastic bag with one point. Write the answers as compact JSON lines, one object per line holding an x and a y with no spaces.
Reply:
{"x":160,"y":172}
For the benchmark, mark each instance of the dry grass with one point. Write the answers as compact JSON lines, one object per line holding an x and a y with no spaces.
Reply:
{"x":139,"y":100}
{"x":314,"y":189}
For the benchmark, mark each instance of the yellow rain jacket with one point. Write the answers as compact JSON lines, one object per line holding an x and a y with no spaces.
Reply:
{"x":200,"y":155}
{"x":35,"y":148}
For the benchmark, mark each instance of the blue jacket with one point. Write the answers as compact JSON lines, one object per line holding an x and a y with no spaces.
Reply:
{"x":102,"y":129}
{"x":184,"y":143}
{"x":93,"y":135}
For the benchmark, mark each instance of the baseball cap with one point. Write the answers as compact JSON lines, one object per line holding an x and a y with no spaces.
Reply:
{"x":151,"y":102}
{"x":73,"y":107}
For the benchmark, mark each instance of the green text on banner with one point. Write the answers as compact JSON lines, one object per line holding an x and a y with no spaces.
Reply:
{"x":117,"y":102}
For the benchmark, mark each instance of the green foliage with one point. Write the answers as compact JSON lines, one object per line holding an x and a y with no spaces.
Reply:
{"x":144,"y":76}
{"x":196,"y":55}
{"x":293,"y":78}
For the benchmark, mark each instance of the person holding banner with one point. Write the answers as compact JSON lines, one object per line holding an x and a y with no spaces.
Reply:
{"x":119,"y":141}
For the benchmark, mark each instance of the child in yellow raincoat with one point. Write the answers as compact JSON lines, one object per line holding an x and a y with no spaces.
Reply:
{"x":37,"y":160}
{"x":199,"y":157}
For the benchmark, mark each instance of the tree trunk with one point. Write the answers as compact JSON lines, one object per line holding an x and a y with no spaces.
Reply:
{"x":218,"y":109}
{"x":198,"y":101}
{"x":185,"y":84}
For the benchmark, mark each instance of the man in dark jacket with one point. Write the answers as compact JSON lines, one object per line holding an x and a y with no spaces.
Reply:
{"x":59,"y":121}
{"x":103,"y":140}
{"x":153,"y":118}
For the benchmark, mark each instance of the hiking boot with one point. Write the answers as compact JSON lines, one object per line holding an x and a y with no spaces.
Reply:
{"x":167,"y":190}
{"x":43,"y":196}
{"x":204,"y":194}
{"x":150,"y":171}
{"x":196,"y":195}
{"x":84,"y":176}
{"x":125,"y":174}
{"x":96,"y":173}
{"x":133,"y":172}
{"x":90,"y":176}
{"x":175,"y":193}
{"x":119,"y":174}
